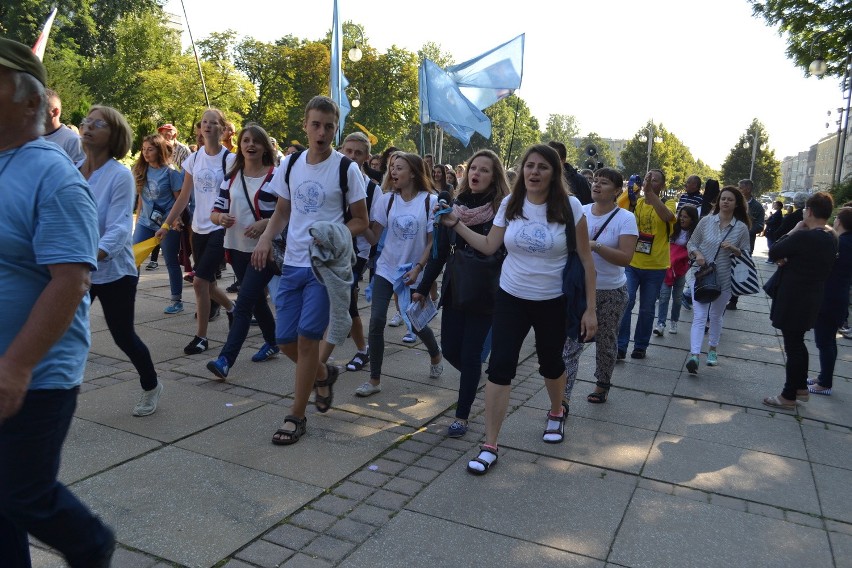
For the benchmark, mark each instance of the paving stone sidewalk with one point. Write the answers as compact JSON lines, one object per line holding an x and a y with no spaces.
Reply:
{"x":674,"y":470}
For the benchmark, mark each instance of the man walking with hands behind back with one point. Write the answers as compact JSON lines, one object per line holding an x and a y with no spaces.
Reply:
{"x":48,"y":246}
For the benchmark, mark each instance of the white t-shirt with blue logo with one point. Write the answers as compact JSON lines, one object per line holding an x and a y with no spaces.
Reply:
{"x":407,"y":226}
{"x":315,"y":195}
{"x":537,"y":251}
{"x":207,"y":175}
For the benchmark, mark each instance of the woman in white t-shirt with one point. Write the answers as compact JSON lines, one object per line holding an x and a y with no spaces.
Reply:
{"x":532,"y":224}
{"x":405,"y":213}
{"x":204,"y":172}
{"x":244,"y":207}
{"x":612,"y":238}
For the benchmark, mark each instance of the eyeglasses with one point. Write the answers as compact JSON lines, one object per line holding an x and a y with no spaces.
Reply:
{"x":96,"y":123}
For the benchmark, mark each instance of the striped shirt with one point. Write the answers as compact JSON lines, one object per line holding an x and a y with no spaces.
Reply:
{"x":708,"y":236}
{"x":694,"y":199}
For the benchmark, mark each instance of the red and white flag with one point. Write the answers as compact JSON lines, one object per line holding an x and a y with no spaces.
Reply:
{"x":41,"y":42}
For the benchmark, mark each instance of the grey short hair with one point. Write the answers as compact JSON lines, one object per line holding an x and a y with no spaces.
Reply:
{"x":747,"y":183}
{"x":27,"y":86}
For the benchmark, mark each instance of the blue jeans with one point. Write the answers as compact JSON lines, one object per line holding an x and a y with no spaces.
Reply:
{"x":250,"y":299}
{"x":463,"y":335}
{"x":31,"y":499}
{"x":170,"y":245}
{"x":382,"y":294}
{"x":666,"y":293}
{"x":647,"y":282}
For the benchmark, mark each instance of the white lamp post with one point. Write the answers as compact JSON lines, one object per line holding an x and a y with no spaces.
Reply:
{"x":650,"y":138}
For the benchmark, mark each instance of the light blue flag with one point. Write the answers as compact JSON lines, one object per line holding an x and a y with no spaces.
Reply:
{"x":492,"y":76}
{"x":455,"y":98}
{"x":337,"y":81}
{"x":442,"y":102}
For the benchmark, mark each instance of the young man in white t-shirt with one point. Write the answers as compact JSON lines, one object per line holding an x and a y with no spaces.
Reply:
{"x":309,"y":194}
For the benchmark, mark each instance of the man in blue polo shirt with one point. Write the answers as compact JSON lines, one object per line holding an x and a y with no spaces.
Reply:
{"x":48,"y":246}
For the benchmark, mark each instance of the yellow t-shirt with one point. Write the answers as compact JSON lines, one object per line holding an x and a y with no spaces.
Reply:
{"x":652,"y":248}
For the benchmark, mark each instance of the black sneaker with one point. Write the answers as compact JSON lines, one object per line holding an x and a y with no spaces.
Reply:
{"x":621,"y":355}
{"x":196,"y":346}
{"x":215,"y":313}
{"x":230,"y":319}
{"x":638,"y":354}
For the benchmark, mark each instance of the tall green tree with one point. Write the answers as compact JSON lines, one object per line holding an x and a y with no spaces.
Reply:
{"x":767,"y":169}
{"x":85,"y":26}
{"x":811,"y":28}
{"x":604,"y":154}
{"x":670,"y":155}
{"x":564,"y":128}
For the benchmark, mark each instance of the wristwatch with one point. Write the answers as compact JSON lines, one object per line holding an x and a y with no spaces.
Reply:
{"x":598,"y":245}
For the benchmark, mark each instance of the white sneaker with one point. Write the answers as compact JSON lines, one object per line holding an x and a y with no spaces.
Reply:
{"x":147,"y":404}
{"x":396,"y":320}
{"x":436,"y":370}
{"x":368,"y":388}
{"x":673,"y":328}
{"x":659,"y":329}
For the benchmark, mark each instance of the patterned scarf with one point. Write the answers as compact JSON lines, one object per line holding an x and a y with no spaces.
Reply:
{"x":474,"y":216}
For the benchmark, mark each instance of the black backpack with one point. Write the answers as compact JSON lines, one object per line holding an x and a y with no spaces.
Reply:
{"x":344,"y":182}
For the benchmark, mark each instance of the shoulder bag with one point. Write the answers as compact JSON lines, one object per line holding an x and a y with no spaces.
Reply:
{"x":707,"y":286}
{"x":744,"y":280}
{"x":474,"y":278}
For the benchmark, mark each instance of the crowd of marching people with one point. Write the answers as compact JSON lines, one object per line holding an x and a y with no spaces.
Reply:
{"x":545,"y":248}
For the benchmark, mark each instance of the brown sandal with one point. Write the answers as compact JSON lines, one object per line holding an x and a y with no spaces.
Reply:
{"x":323,"y":403}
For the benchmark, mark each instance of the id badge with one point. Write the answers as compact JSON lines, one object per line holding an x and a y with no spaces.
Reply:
{"x":644,"y":243}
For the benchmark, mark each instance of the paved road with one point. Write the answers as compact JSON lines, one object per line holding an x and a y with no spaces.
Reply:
{"x":673,"y":470}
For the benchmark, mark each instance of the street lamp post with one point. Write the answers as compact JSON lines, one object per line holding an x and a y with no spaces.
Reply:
{"x":818,"y":67}
{"x":651,"y":139}
{"x":755,"y":139}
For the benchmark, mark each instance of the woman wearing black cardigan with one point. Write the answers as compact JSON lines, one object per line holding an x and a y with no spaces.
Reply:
{"x":464,"y":329}
{"x":805,"y":256}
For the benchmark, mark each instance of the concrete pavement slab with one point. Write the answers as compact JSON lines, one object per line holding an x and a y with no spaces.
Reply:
{"x":604,"y":444}
{"x":773,"y":433}
{"x":828,"y":445}
{"x":90,"y":448}
{"x":96,"y":371}
{"x":834,"y":409}
{"x":736,"y":472}
{"x":190,"y":508}
{"x":330,"y":450}
{"x":412,"y":364}
{"x":623,"y":406}
{"x":276,"y":376}
{"x":734,"y":381}
{"x":547,"y":502}
{"x":415,"y":540}
{"x":666,"y":530}
{"x":183,"y":409}
{"x":163,"y":344}
{"x":659,"y":356}
{"x":833,"y":486}
{"x":401,"y":401}
{"x":644,"y":378}
{"x":841,"y":546}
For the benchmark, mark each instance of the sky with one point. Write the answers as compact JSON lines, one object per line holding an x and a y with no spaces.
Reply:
{"x":704,"y":69}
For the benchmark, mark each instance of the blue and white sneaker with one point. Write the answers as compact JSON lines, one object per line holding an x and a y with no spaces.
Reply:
{"x":175,"y":307}
{"x":219,"y":367}
{"x":457,"y":429}
{"x":265,"y":353}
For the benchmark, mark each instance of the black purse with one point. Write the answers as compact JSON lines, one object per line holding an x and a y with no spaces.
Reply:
{"x":707,"y":286}
{"x":474,"y":278}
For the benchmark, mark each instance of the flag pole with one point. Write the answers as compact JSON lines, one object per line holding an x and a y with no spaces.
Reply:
{"x":514,"y":126}
{"x":195,"y":52}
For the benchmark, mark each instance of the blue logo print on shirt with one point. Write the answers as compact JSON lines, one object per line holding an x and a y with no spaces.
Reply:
{"x":205,"y":181}
{"x":534,"y":237}
{"x":309,"y":197}
{"x":405,"y":227}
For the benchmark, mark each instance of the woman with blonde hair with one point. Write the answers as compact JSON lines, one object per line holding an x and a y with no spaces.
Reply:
{"x":466,"y":320}
{"x":204,"y":172}
{"x":157,"y":187}
{"x":106,"y":137}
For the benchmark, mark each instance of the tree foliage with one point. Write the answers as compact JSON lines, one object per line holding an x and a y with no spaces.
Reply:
{"x":812,"y":28}
{"x":670,"y":155}
{"x":564,"y":128}
{"x":767,"y":169}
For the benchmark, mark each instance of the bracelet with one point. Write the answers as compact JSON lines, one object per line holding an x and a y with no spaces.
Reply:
{"x":453,"y":226}
{"x":166,"y":226}
{"x":418,"y":264}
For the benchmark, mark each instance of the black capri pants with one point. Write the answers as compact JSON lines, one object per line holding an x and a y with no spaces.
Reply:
{"x":357,"y":272}
{"x":513,"y":318}
{"x":208,"y":250}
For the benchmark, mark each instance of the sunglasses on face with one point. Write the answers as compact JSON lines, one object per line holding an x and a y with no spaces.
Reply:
{"x":96,"y":123}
